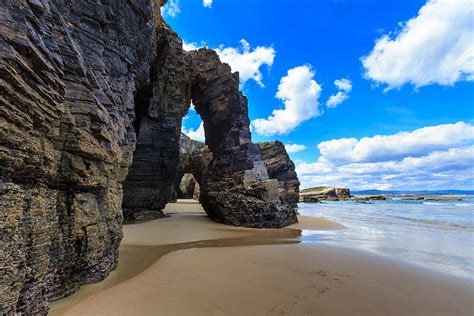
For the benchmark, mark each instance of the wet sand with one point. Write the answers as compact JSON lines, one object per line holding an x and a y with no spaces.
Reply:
{"x":187,"y":265}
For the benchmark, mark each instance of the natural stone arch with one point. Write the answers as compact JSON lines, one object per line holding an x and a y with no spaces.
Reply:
{"x":235,"y":188}
{"x":194,"y":158}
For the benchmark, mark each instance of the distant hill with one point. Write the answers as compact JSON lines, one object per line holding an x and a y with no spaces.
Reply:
{"x":461,"y":192}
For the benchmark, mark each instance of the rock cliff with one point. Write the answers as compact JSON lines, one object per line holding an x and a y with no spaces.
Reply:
{"x":92,"y":98}
{"x":69,"y":71}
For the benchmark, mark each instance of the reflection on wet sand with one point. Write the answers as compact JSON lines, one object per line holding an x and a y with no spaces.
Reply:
{"x":134,"y":259}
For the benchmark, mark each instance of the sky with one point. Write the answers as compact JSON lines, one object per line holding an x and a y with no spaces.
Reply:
{"x":366,"y":94}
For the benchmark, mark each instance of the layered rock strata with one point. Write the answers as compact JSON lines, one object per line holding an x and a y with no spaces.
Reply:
{"x":68,"y":73}
{"x":325,"y":193}
{"x":92,"y":97}
{"x":194,"y":156}
{"x":281,"y":167}
{"x":159,"y":109}
{"x":235,"y":188}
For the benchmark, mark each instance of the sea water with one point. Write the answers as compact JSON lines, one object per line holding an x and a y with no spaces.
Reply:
{"x":435,"y":234}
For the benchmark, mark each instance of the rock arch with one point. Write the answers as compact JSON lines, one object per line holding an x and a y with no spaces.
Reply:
{"x":85,"y":86}
{"x":235,"y":187}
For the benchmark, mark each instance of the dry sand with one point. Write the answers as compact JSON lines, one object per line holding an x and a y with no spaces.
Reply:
{"x":188,"y":265}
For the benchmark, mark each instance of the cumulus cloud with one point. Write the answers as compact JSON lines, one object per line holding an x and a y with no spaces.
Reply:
{"x":247,"y":61}
{"x":299,"y":93}
{"x":293,"y":148}
{"x":191,"y":46}
{"x":244,"y":59}
{"x":345,"y":87}
{"x":207,"y":3}
{"x":389,"y":147}
{"x":197,"y":134}
{"x":410,"y":161}
{"x":171,"y":8}
{"x":435,"y":47}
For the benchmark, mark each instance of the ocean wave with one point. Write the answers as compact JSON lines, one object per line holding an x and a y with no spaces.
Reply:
{"x":464,"y":204}
{"x":436,"y":223}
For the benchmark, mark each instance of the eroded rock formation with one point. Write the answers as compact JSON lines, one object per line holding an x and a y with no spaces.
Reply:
{"x":68,"y":73}
{"x":281,"y":168}
{"x":89,"y":89}
{"x":235,"y":188}
{"x":187,"y":187}
{"x":317,"y":194}
{"x":159,"y":109}
{"x":194,"y":158}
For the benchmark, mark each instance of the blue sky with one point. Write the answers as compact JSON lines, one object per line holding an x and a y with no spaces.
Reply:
{"x":404,"y":69}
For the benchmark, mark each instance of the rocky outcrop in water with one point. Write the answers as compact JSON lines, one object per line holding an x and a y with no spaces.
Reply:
{"x":317,"y":194}
{"x":369,"y":198}
{"x":92,"y":97}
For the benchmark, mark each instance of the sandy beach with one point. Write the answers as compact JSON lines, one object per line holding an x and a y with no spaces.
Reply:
{"x":188,"y":265}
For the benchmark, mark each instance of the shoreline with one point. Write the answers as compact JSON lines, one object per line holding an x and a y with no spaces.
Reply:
{"x":186,"y":264}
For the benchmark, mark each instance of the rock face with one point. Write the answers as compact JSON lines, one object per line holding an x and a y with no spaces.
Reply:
{"x":281,"y":167}
{"x":235,"y":188}
{"x":197,"y":192}
{"x":186,"y":187}
{"x":194,"y":158}
{"x":159,"y":108}
{"x":92,"y":97}
{"x":69,"y":70}
{"x":312,"y":195}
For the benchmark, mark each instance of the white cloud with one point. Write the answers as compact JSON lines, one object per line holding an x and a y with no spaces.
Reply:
{"x":435,"y":47}
{"x":336,"y":99}
{"x":207,"y":3}
{"x":293,"y":148}
{"x":197,"y":134}
{"x":171,"y":8}
{"x":435,"y":157}
{"x":242,"y":59}
{"x":388,"y":147}
{"x":247,"y":61}
{"x":191,"y":46}
{"x":299,"y":93}
{"x":345,"y":87}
